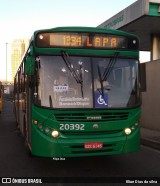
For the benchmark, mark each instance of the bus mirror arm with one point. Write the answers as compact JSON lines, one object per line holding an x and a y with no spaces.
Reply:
{"x":143,"y":86}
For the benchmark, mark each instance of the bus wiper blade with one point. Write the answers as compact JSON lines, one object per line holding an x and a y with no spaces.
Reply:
{"x":50,"y":101}
{"x":101,"y":81}
{"x":77,"y":77}
{"x":81,"y":78}
{"x":101,"y":84}
{"x":110,"y":66}
{"x":106,"y":73}
{"x":70,"y":66}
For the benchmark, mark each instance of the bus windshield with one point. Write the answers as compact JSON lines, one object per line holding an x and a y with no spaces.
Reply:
{"x":87,"y":82}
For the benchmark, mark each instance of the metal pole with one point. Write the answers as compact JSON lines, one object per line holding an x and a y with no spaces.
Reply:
{"x":155,"y":47}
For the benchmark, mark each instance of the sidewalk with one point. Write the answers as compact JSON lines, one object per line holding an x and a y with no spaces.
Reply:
{"x":150,"y":138}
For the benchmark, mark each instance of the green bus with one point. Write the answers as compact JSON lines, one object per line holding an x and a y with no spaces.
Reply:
{"x":77,"y":92}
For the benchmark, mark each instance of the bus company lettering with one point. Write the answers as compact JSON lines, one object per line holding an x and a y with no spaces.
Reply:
{"x":73,"y":101}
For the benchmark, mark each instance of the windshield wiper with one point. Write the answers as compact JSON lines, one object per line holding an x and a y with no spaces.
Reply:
{"x":70,"y":66}
{"x":106,"y":73}
{"x":101,"y":81}
{"x":110,"y":66}
{"x":50,"y":101}
{"x":77,"y":77}
{"x":81,"y":78}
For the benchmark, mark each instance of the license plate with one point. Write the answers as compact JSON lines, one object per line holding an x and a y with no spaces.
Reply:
{"x":93,"y":145}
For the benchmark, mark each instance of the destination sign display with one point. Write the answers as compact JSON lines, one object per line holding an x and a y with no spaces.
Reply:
{"x":81,"y":40}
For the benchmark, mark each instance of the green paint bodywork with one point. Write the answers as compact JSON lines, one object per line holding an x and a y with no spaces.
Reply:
{"x":71,"y":143}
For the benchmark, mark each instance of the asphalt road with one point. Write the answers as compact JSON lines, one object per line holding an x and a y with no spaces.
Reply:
{"x":16,"y":162}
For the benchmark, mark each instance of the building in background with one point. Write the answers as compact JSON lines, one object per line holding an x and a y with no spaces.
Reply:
{"x":18,"y":48}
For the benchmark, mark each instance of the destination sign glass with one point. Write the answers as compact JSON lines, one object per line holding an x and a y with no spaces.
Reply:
{"x":81,"y":40}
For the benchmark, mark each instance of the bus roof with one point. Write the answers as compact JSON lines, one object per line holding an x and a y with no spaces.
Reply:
{"x":85,"y":29}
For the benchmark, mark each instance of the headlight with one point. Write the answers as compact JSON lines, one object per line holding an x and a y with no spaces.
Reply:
{"x":55,"y":134}
{"x":127,"y":131}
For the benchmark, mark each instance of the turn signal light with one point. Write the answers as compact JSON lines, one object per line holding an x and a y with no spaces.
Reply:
{"x":35,"y":122}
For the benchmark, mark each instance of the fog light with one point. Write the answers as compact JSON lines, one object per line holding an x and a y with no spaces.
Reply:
{"x":47,"y":130}
{"x":55,"y":133}
{"x":133,"y":128}
{"x":136,"y":124}
{"x":127,"y":131}
{"x":40,"y":127}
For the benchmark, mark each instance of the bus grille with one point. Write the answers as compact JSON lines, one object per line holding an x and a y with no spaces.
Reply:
{"x":89,"y":134}
{"x":86,"y":117}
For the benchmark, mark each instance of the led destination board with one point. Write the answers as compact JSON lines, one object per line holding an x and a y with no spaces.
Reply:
{"x":81,"y":40}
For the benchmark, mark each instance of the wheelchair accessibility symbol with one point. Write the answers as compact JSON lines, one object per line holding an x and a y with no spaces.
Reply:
{"x":101,"y":100}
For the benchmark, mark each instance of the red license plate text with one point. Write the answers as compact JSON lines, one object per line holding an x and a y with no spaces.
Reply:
{"x":93,"y":145}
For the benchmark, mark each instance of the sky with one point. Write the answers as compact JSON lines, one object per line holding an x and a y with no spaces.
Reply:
{"x":20,"y":18}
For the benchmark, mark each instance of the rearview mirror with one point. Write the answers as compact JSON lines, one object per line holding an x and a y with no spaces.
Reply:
{"x":29,"y":65}
{"x":143,"y":77}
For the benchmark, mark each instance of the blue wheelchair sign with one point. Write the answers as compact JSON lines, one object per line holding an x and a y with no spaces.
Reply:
{"x":101,"y":101}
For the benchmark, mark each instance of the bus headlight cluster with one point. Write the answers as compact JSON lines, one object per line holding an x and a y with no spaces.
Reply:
{"x":48,"y":131}
{"x":128,"y":131}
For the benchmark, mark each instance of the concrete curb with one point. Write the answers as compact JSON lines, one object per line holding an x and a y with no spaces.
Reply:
{"x":150,"y":143}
